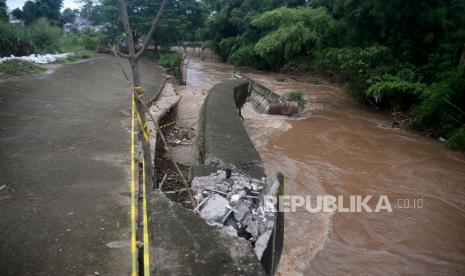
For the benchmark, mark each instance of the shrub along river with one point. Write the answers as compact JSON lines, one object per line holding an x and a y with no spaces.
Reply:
{"x":343,"y":148}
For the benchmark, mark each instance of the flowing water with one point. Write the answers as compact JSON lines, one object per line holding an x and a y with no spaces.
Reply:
{"x":344,"y":148}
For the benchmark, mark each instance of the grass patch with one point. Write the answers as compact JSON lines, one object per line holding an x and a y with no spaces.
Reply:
{"x":170,"y":60}
{"x":20,"y":67}
{"x":79,"y":53}
{"x":297,"y":96}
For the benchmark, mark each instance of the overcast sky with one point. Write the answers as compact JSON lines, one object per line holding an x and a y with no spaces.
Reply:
{"x":72,"y":4}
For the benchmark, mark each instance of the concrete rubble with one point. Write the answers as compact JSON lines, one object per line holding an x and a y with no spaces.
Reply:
{"x":235,"y":202}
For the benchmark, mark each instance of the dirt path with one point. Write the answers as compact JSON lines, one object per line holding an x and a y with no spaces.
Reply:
{"x":64,"y":159}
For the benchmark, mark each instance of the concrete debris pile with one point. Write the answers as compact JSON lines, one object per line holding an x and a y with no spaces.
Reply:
{"x":235,"y":202}
{"x":178,"y":135}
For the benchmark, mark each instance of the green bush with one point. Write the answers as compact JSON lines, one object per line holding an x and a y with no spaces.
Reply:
{"x":172,"y":61}
{"x":394,"y":91}
{"x":354,"y":63}
{"x":227,"y":47}
{"x":38,"y":37}
{"x":457,"y":140}
{"x":441,"y":110}
{"x":245,"y":56}
{"x":12,"y":41}
{"x":87,"y":39}
{"x":288,"y":33}
{"x":43,"y":36}
{"x":297,"y":96}
{"x":290,"y":66}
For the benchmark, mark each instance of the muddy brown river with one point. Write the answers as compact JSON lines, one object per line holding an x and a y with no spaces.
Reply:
{"x":347,"y":149}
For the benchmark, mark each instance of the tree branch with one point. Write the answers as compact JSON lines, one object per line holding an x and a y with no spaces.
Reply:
{"x":152,"y":29}
{"x":122,"y":54}
{"x":127,"y":28}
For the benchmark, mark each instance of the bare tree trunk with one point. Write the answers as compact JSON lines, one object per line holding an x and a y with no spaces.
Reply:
{"x":133,"y":58}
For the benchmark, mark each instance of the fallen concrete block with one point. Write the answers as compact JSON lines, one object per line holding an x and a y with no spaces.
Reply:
{"x":261,"y":243}
{"x":215,"y":208}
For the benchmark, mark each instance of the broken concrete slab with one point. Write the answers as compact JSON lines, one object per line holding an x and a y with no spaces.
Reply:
{"x":215,"y":208}
{"x":186,"y":245}
{"x":262,"y":243}
{"x":242,"y":209}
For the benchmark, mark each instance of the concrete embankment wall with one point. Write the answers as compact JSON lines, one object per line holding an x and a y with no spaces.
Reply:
{"x":182,"y":243}
{"x":223,"y":143}
{"x":260,"y":96}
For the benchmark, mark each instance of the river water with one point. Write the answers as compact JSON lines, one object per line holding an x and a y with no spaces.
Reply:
{"x":346,"y":149}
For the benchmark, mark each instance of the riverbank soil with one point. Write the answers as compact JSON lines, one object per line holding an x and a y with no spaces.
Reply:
{"x":64,"y":178}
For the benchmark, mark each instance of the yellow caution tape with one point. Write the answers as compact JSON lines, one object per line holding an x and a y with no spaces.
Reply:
{"x":134,"y":252}
{"x":145,"y":220}
{"x":133,"y":196}
{"x":143,"y":127}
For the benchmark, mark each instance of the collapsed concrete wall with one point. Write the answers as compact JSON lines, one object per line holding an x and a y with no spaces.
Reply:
{"x":222,"y":141}
{"x":185,"y":245}
{"x":229,"y":177}
{"x":181,"y":242}
{"x":266,"y":101}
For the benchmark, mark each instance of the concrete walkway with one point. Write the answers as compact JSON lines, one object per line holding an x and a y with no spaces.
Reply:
{"x":64,"y":170}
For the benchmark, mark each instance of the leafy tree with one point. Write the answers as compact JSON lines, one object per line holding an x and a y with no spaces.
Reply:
{"x":68,"y":16}
{"x":290,"y":32}
{"x":3,"y":8}
{"x":33,"y":10}
{"x":92,"y":11}
{"x":50,"y":9}
{"x":182,"y":21}
{"x":18,"y":13}
{"x":30,"y":12}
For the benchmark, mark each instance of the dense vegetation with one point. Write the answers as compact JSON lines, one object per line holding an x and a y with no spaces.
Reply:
{"x":169,"y":60}
{"x":42,"y":37}
{"x":407,"y":56}
{"x":41,"y":31}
